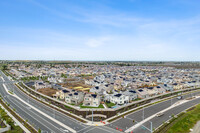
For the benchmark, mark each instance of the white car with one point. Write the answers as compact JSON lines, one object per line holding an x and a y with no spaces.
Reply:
{"x":159,"y":114}
{"x":179,"y":97}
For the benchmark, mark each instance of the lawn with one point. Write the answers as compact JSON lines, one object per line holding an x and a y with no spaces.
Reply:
{"x":68,"y":107}
{"x":187,"y":121}
{"x":100,"y":106}
{"x":109,"y":105}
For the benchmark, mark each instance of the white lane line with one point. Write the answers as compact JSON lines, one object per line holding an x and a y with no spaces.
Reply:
{"x":27,"y":113}
{"x":83,"y":129}
{"x":2,"y":78}
{"x":109,"y":128}
{"x":154,"y":115}
{"x":7,"y":90}
{"x":56,"y":121}
{"x":71,"y":119}
{"x":89,"y":130}
{"x":38,"y":116}
{"x":105,"y":130}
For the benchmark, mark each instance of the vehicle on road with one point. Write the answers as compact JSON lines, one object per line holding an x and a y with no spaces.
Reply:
{"x":179,"y":97}
{"x":160,"y":114}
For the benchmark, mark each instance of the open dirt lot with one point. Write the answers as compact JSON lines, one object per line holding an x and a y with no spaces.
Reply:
{"x":47,"y":91}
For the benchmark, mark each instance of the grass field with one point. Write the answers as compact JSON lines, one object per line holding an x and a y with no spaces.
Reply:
{"x":109,"y":105}
{"x":187,"y":121}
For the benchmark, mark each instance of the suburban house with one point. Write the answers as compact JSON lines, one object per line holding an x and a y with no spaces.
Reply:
{"x":96,"y":89}
{"x":151,"y":91}
{"x":119,"y":99}
{"x":160,"y":90}
{"x":62,"y":94}
{"x":74,"y":98}
{"x":91,"y":100}
{"x":40,"y":85}
{"x":142,"y":93}
{"x":131,"y":94}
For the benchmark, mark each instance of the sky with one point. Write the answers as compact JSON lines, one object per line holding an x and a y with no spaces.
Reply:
{"x":100,"y":30}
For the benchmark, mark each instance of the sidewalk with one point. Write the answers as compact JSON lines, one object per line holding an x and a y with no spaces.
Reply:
{"x":196,"y":128}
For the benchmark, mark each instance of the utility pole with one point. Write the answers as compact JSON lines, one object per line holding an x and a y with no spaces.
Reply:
{"x":28,"y":98}
{"x":171,"y":98}
{"x":151,"y":127}
{"x":54,"y":115}
{"x":92,"y":115}
{"x":143,"y":113}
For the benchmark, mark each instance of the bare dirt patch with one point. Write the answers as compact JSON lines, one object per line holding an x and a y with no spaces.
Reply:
{"x":47,"y":91}
{"x":75,"y":84}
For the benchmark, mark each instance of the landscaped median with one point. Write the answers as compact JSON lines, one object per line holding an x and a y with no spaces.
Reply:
{"x":25,"y":124}
{"x":8,"y":74}
{"x":182,"y":123}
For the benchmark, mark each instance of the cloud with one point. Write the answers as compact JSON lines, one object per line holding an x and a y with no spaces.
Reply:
{"x":98,"y":16}
{"x":96,"y":42}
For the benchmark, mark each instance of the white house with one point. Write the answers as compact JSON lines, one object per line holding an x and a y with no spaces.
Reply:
{"x":131,"y":94}
{"x":119,"y":99}
{"x":74,"y":98}
{"x":91,"y":100}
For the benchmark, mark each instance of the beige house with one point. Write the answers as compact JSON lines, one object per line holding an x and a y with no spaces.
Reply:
{"x":62,"y":94}
{"x":91,"y":100}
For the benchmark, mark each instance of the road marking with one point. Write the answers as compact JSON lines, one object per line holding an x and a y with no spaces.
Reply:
{"x":154,"y":115}
{"x":89,"y":130}
{"x":105,"y":130}
{"x":2,"y":78}
{"x":36,"y":115}
{"x":71,"y":119}
{"x":56,"y":121}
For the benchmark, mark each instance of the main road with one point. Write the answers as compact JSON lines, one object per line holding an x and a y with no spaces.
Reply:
{"x":41,"y":116}
{"x":142,"y":114}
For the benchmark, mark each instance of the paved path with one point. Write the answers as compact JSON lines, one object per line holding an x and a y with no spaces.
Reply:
{"x":196,"y":128}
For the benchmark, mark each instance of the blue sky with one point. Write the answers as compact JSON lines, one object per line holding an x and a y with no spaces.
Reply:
{"x":155,"y":30}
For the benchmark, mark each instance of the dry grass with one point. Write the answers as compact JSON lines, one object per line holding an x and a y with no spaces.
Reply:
{"x":47,"y":91}
{"x":71,"y":85}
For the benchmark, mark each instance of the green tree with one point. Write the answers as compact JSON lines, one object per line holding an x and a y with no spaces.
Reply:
{"x":39,"y":130}
{"x":4,"y":67}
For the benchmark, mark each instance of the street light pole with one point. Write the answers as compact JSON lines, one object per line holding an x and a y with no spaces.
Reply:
{"x":92,"y":115}
{"x":171,"y":98}
{"x":151,"y":127}
{"x":54,"y":113}
{"x":28,"y":98}
{"x":143,"y":113}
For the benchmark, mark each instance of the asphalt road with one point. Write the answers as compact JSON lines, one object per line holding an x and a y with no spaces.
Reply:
{"x":126,"y":123}
{"x":157,"y":121}
{"x":37,"y":119}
